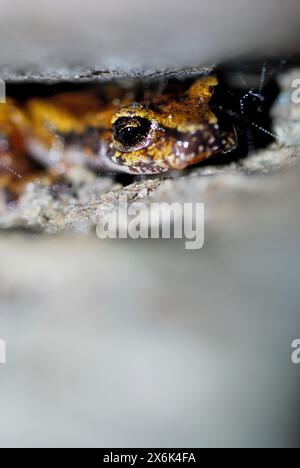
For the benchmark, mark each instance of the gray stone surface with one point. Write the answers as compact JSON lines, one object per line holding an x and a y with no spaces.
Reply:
{"x":54,"y":40}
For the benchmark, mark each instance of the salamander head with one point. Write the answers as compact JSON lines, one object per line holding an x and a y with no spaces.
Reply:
{"x":172,"y":132}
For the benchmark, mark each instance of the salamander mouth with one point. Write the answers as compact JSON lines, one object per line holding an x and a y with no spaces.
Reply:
{"x":145,"y":168}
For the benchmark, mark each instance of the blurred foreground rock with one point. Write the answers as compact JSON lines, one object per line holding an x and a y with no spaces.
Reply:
{"x":71,"y":40}
{"x":143,"y":343}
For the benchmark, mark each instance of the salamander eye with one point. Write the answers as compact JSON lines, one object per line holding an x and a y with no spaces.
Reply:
{"x":132,"y":132}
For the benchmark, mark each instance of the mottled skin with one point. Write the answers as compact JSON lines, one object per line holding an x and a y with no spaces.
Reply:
{"x":153,"y":133}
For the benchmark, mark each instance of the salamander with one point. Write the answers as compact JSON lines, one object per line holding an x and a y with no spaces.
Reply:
{"x":124,"y":131}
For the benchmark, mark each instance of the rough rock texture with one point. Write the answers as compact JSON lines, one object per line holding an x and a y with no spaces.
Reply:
{"x":210,"y":185}
{"x":81,"y":206}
